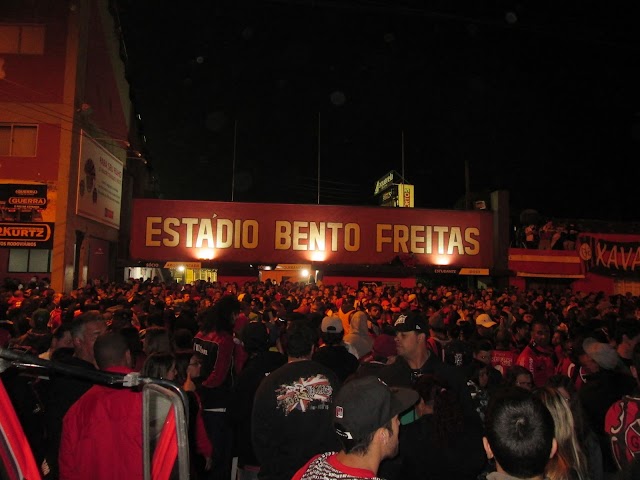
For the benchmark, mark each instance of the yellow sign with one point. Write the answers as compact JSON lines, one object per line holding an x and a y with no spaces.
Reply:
{"x":473,"y":271}
{"x":405,"y":195}
{"x":292,"y":266}
{"x":183,"y":264}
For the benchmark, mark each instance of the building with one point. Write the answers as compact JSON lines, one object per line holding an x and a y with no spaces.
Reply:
{"x":67,"y":164}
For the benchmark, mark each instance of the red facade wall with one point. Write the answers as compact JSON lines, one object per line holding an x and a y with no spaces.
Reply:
{"x":283,"y":233}
{"x":594,"y":283}
{"x":41,"y":168}
{"x":39,"y":78}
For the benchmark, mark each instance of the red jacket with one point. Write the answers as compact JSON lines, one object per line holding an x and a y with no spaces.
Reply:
{"x":102,"y":435}
{"x":538,"y":361}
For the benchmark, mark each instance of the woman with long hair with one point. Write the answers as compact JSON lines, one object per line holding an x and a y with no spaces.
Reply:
{"x":569,"y":463}
{"x":166,"y":366}
{"x":160,"y":365}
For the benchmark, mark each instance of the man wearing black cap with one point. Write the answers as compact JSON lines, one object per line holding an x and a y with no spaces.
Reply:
{"x":415,"y":359}
{"x":365,"y":417}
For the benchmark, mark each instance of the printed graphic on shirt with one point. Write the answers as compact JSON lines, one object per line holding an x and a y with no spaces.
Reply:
{"x":312,"y":393}
{"x":622,"y":423}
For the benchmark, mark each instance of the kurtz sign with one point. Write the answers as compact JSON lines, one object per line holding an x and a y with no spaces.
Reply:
{"x":26,"y":235}
{"x":282,"y":233}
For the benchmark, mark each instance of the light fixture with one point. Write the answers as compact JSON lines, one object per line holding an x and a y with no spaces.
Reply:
{"x":318,"y":256}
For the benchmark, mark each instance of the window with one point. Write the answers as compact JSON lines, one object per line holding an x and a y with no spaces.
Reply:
{"x":22,"y":39}
{"x":18,"y":140}
{"x":29,"y":260}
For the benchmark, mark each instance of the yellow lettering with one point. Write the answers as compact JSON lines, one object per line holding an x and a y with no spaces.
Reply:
{"x":189,"y":222}
{"x":440,"y":231}
{"x":149,"y":241}
{"x":250,"y":234}
{"x":205,"y":232}
{"x":455,"y":241}
{"x":224,"y":232}
{"x":381,"y":235}
{"x":474,"y":244}
{"x":417,"y":238}
{"x":352,"y":237}
{"x":175,"y":236}
{"x":298,"y":235}
{"x":334,"y":228}
{"x":317,"y":239}
{"x":400,"y":238}
{"x":236,"y":233}
{"x":282,"y":235}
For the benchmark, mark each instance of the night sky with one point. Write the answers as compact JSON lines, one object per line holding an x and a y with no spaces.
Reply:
{"x":541,"y":100}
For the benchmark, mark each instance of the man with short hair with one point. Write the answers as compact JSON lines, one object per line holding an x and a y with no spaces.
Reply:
{"x":291,"y":418}
{"x":365,"y":416}
{"x":61,"y":392}
{"x":334,"y":354}
{"x":415,"y":359}
{"x":627,"y":336}
{"x":519,"y":435}
{"x":102,"y":431}
{"x":438,"y":337}
{"x":537,"y":356}
{"x":482,"y":351}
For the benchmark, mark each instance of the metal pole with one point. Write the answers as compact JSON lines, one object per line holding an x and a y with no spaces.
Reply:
{"x":402,"y":135}
{"x":467,"y":181}
{"x":233,"y":166}
{"x":318,"y":158}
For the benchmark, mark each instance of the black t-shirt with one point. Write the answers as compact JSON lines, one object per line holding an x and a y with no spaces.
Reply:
{"x":292,"y":418}
{"x":338,"y":359}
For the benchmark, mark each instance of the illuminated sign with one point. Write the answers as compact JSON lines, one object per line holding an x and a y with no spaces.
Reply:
{"x":26,"y":235}
{"x":292,"y":266}
{"x":384,"y":183}
{"x":183,"y":264}
{"x":300,"y":234}
{"x":406,"y":196}
{"x":23,"y":196}
{"x":474,"y":271}
{"x":28,"y":202}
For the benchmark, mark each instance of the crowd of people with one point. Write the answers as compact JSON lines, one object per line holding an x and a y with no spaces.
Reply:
{"x":335,"y":381}
{"x":547,"y":235}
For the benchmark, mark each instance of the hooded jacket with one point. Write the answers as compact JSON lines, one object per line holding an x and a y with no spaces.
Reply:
{"x":359,"y":337}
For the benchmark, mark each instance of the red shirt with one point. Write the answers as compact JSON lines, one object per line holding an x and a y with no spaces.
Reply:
{"x":327,"y":466}
{"x":538,"y":361}
{"x":102,"y":435}
{"x":502,"y":360}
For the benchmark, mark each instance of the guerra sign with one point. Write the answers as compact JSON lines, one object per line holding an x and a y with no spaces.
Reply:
{"x":277,"y":233}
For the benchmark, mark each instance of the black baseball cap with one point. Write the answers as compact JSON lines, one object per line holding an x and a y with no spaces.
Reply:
{"x":366,"y":404}
{"x":413,"y":321}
